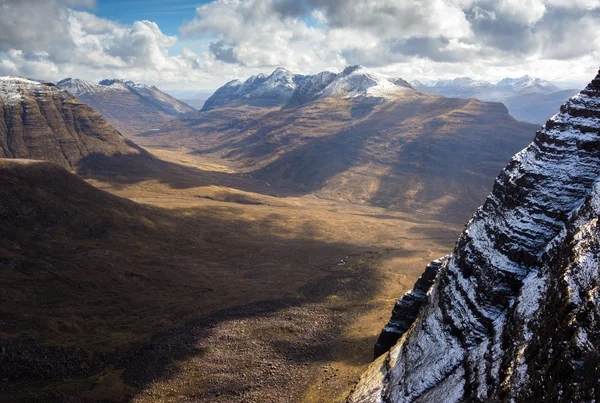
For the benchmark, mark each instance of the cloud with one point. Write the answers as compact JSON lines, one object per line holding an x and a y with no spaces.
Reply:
{"x":236,"y":38}
{"x":221,"y":52}
{"x":498,"y":33}
{"x":48,"y":39}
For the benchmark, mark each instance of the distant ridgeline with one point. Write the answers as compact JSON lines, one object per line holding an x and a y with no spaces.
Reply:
{"x":528,"y":99}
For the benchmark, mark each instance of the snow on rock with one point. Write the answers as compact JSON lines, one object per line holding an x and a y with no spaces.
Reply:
{"x":282,"y":87}
{"x":357,"y":81}
{"x":513,"y":313}
{"x":13,"y":89}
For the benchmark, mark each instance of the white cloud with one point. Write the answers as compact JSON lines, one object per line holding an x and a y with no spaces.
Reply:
{"x":522,"y":11}
{"x":237,"y":38}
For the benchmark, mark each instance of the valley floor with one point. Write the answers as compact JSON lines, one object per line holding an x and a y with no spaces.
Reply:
{"x":307,"y":345}
{"x":297,"y":289}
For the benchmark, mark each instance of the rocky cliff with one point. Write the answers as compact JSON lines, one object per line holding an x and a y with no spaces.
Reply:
{"x":42,"y":122}
{"x":511,"y":314}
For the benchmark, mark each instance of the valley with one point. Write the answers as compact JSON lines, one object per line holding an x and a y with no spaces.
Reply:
{"x":314,"y":318}
{"x":208,"y":260}
{"x":274,"y":201}
{"x":180,"y":281}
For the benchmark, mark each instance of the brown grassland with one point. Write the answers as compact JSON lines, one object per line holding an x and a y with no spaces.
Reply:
{"x":200,"y":292}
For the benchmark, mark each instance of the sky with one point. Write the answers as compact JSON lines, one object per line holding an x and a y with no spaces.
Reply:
{"x":200,"y":45}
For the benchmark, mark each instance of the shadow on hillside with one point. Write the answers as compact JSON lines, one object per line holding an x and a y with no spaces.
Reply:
{"x":120,"y":169}
{"x":148,"y":268}
{"x":160,"y":358}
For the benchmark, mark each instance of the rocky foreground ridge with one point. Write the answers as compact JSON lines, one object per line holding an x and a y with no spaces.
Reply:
{"x":512,"y":314}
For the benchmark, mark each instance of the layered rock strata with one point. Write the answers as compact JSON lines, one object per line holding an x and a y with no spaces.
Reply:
{"x":513,"y":313}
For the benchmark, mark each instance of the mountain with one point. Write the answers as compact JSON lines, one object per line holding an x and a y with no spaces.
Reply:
{"x":355,"y":136}
{"x":130,"y":107}
{"x":512,"y":314}
{"x":282,"y":87}
{"x":42,"y":122}
{"x":527,"y":99}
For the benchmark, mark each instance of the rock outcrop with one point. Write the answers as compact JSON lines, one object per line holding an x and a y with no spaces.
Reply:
{"x":407,"y":308}
{"x":513,"y":312}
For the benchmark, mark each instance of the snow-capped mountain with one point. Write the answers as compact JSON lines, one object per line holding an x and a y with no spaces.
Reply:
{"x":512,"y":314}
{"x":282,"y":86}
{"x":131,"y":107}
{"x":456,"y":83}
{"x":450,"y":87}
{"x":526,"y":83}
{"x":529,"y":99}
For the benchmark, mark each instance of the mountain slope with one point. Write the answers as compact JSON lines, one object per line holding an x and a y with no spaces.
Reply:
{"x":283,"y":87}
{"x":512,"y":313}
{"x":40,"y":121}
{"x":408,"y":151}
{"x":527,"y":99}
{"x":130,"y":107}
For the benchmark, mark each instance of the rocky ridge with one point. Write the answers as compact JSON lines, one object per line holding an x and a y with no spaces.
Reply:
{"x":520,"y":84}
{"x":282,"y":87}
{"x":528,"y":99}
{"x":512,"y":313}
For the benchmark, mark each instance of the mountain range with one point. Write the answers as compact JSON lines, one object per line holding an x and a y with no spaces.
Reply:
{"x":285,"y":88}
{"x":528,"y":99}
{"x":130,"y":107}
{"x":355,"y":136}
{"x":512,"y":313}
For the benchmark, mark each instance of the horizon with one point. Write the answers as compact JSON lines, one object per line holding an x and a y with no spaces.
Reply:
{"x":206,"y":91}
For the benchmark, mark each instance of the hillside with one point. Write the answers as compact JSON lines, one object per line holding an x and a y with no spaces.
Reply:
{"x":40,"y":121}
{"x":512,"y":314}
{"x":130,"y":107}
{"x":528,"y":99}
{"x":407,"y":151}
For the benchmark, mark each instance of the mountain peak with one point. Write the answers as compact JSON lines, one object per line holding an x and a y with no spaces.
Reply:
{"x":53,"y":125}
{"x":283,"y":86}
{"x":279,"y":71}
{"x":352,"y":69}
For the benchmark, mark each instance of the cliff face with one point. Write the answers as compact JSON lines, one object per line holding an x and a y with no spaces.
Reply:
{"x":512,"y":312}
{"x":41,"y":122}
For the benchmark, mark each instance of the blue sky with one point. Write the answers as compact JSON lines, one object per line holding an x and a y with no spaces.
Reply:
{"x":169,"y":15}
